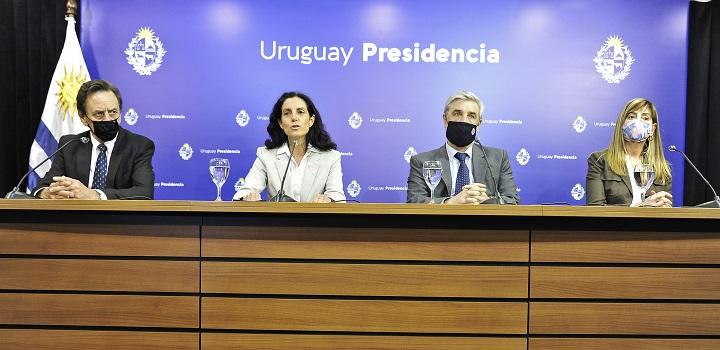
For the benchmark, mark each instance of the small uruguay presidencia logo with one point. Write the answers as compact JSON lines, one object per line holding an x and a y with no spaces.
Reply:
{"x":613,"y":60}
{"x":355,"y":120}
{"x":523,"y":157}
{"x":409,"y":153}
{"x":354,"y":188}
{"x":242,"y":118}
{"x":577,"y":192}
{"x":239,"y":183}
{"x":579,"y":124}
{"x":145,"y":52}
{"x":131,"y":117}
{"x":185,"y":151}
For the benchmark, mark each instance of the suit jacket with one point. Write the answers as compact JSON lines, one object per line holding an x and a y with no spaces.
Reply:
{"x":323,"y":175}
{"x":605,"y":187}
{"x":500,"y":174}
{"x":130,"y":172}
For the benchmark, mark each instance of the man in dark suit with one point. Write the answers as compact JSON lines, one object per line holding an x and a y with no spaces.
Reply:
{"x":471,"y":173}
{"x":115,"y":164}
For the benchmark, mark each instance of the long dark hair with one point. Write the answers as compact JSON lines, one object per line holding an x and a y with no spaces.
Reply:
{"x":317,"y":136}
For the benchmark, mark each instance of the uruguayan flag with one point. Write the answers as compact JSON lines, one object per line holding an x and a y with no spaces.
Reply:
{"x":60,"y":115}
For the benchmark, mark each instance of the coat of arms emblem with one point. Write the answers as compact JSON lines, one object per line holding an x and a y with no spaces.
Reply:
{"x":145,"y":52}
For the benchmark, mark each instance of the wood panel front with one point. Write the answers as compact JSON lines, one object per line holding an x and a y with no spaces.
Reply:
{"x":89,"y":206}
{"x":396,"y":209}
{"x":365,"y":279}
{"x":617,"y":211}
{"x":99,"y":310}
{"x":104,"y":240}
{"x":624,"y":318}
{"x":625,"y":247}
{"x":365,"y":243}
{"x":622,"y":344}
{"x":100,"y":275}
{"x":45,"y":339}
{"x":223,"y":341}
{"x":364,"y":315}
{"x":625,"y":282}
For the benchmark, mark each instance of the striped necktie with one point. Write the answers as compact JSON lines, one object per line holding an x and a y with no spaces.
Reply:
{"x":100,"y":174}
{"x":463,"y":175}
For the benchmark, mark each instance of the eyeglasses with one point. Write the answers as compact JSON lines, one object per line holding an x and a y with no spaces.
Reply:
{"x":100,"y":115}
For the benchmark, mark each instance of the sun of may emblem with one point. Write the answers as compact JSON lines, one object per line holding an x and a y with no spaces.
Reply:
{"x":68,"y":88}
{"x":613,"y":60}
{"x":145,"y":52}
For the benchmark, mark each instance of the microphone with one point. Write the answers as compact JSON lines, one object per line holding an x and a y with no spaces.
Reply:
{"x":715,"y":203}
{"x":281,"y":196}
{"x":17,"y":194}
{"x":499,"y":198}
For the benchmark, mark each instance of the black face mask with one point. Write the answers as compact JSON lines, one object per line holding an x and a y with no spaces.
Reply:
{"x":106,"y":130}
{"x":460,"y":134}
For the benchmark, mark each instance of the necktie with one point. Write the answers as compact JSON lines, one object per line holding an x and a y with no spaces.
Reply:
{"x":463,"y":175}
{"x":100,"y":174}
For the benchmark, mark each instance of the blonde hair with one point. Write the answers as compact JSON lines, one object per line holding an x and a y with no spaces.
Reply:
{"x":465,"y":95}
{"x":652,"y":150}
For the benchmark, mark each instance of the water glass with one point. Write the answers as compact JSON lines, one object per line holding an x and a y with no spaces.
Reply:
{"x":644,"y":175}
{"x":432,"y":173}
{"x":219,"y":172}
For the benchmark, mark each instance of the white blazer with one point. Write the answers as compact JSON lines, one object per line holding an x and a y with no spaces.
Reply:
{"x":323,"y":174}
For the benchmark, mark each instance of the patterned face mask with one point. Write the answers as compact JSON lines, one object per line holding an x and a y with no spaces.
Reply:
{"x":636,"y":130}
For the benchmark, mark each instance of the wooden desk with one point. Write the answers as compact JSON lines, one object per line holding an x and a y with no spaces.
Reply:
{"x":205,"y":275}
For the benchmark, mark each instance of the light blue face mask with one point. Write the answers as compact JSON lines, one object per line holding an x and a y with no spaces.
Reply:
{"x":636,"y":130}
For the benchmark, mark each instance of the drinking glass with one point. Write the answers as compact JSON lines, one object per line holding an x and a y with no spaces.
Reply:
{"x":432,"y":173}
{"x":219,"y":172}
{"x":644,"y":175}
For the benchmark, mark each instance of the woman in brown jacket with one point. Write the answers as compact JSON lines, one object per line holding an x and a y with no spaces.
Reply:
{"x":635,"y":140}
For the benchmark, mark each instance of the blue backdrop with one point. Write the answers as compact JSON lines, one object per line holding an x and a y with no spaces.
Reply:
{"x":200,"y":78}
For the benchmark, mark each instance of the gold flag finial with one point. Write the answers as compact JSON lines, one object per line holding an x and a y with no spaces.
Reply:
{"x":71,"y":8}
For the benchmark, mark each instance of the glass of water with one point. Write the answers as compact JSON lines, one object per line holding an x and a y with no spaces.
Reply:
{"x":219,"y":172}
{"x":432,"y":173}
{"x":644,"y":176}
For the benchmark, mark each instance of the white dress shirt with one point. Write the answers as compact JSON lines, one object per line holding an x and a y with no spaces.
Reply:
{"x":636,"y":190}
{"x":296,"y":172}
{"x":455,"y":165}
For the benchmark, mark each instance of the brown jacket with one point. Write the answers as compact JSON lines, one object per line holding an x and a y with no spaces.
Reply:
{"x":604,"y":187}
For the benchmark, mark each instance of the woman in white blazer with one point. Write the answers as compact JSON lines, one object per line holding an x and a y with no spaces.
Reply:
{"x":314,"y":173}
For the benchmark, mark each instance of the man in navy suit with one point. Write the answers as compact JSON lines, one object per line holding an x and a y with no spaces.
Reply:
{"x":115,"y":164}
{"x":471,"y":173}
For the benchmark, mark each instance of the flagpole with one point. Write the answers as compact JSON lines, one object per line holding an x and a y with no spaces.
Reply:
{"x":71,"y":8}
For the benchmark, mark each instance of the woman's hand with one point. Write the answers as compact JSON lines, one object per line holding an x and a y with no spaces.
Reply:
{"x":659,"y":199}
{"x":251,"y":197}
{"x":321,"y":198}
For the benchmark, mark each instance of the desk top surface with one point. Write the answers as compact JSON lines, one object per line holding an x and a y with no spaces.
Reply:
{"x":199,"y":207}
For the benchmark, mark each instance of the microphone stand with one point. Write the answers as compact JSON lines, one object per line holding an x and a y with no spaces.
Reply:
{"x":715,"y":203}
{"x":17,"y":194}
{"x":281,"y":196}
{"x":499,"y":198}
